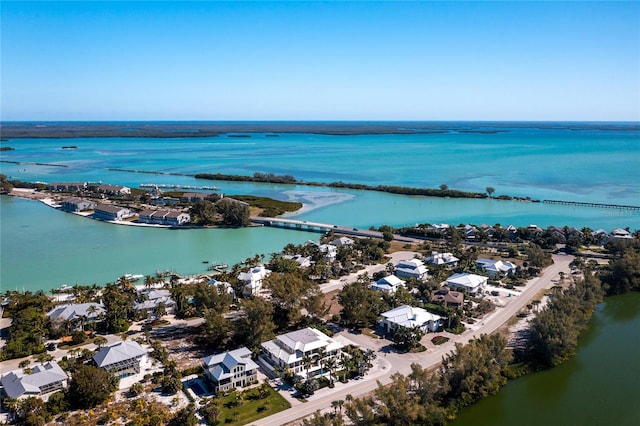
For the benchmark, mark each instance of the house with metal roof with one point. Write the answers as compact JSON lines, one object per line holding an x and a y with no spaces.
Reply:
{"x":495,"y":268}
{"x":388,"y":284}
{"x":74,"y":311}
{"x":41,"y":381}
{"x":291,"y":349}
{"x":231,"y":369}
{"x":413,"y":268}
{"x":253,"y":280}
{"x":122,"y":359}
{"x":470,"y":283}
{"x":409,"y":317}
{"x":443,"y":259}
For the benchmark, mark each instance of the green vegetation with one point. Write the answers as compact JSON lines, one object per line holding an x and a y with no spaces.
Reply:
{"x":241,"y":408}
{"x":90,"y":386}
{"x":271,"y":207}
{"x":29,"y":325}
{"x":5,"y":186}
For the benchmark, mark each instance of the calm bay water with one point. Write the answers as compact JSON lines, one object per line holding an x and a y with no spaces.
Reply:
{"x":598,"y":386}
{"x":44,"y":248}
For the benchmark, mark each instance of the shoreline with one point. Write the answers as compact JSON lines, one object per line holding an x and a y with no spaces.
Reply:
{"x":202,"y":129}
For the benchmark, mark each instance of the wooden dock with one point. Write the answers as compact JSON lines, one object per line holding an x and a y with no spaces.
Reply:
{"x":600,"y":205}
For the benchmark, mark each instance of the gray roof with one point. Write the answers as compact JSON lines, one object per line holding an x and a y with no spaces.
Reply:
{"x":119,"y":352}
{"x":17,"y":383}
{"x":221,"y":366}
{"x":72,"y":311}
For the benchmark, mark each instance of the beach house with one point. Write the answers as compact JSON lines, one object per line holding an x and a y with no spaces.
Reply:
{"x":114,"y":189}
{"x":110,"y":212}
{"x":253,"y":280}
{"x":122,"y":359}
{"x":413,"y":268}
{"x":41,"y":381}
{"x":495,"y":268}
{"x":75,"y":204}
{"x":388,"y":284}
{"x":76,"y":313}
{"x":230,"y":370}
{"x":302,"y":352}
{"x":444,"y":295}
{"x":469,"y":283}
{"x":409,"y":316}
{"x":443,"y":259}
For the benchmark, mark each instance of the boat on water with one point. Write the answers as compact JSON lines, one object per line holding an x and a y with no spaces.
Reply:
{"x":63,"y":289}
{"x":133,"y":277}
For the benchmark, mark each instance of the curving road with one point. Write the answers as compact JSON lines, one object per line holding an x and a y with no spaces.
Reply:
{"x":388,"y":362}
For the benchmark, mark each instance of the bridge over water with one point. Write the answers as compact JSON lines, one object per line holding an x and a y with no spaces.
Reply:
{"x":303,"y":225}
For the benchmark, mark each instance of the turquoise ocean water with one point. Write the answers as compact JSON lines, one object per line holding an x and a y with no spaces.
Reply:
{"x":44,"y":248}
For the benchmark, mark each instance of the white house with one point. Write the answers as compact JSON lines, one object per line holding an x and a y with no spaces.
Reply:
{"x":89,"y":312}
{"x":446,"y":259}
{"x":342,"y":241}
{"x":330,"y":251}
{"x":253,"y":280}
{"x":303,"y":262}
{"x":114,"y":189}
{"x":495,"y":268}
{"x":122,"y":359}
{"x":42,"y":380}
{"x":470,"y":283}
{"x":620,"y":234}
{"x":388,"y":284}
{"x":409,"y":316}
{"x":413,"y":268}
{"x":154,"y":298}
{"x":75,"y":204}
{"x":289,"y":350}
{"x":231,"y":370}
{"x":110,"y":212}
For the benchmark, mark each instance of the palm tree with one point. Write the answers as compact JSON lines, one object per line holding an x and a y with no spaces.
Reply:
{"x":331,"y":364}
{"x":307,"y":361}
{"x":369,"y":355}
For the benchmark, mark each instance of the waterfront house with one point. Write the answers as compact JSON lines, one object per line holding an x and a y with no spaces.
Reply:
{"x":342,"y":241}
{"x":122,"y":359}
{"x":41,"y":381}
{"x":76,"y":312}
{"x":388,"y":284}
{"x":440,"y":259}
{"x":290,"y":351}
{"x":413,"y":268}
{"x":253,"y":280}
{"x":469,"y":283}
{"x":152,"y":299}
{"x":303,"y":261}
{"x":410,"y":316}
{"x":230,"y":370}
{"x":199,"y":196}
{"x":601,"y":237}
{"x":74,"y":204}
{"x":67,"y":186}
{"x":620,"y":234}
{"x":444,"y":295}
{"x":222,"y":287}
{"x":330,"y":252}
{"x":495,"y":268}
{"x":110,"y":212}
{"x":114,"y":189}
{"x":177,"y":218}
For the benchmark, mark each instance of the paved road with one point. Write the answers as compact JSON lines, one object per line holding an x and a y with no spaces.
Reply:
{"x":401,"y":363}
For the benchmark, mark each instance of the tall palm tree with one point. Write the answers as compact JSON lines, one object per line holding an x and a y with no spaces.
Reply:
{"x":307,"y":361}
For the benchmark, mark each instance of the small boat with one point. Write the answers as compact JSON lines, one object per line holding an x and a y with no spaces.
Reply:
{"x":205,"y":261}
{"x":133,"y":277}
{"x":63,"y":289}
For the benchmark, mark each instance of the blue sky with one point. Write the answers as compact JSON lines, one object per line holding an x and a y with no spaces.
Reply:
{"x":203,"y":60}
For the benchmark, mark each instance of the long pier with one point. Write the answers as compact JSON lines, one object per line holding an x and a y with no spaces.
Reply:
{"x":600,"y":205}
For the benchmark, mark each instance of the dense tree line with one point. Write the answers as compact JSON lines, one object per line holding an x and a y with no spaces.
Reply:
{"x":466,"y":375}
{"x":554,"y":332}
{"x":29,"y":324}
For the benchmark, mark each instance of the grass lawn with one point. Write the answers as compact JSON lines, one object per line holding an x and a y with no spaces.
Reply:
{"x":252,"y":407}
